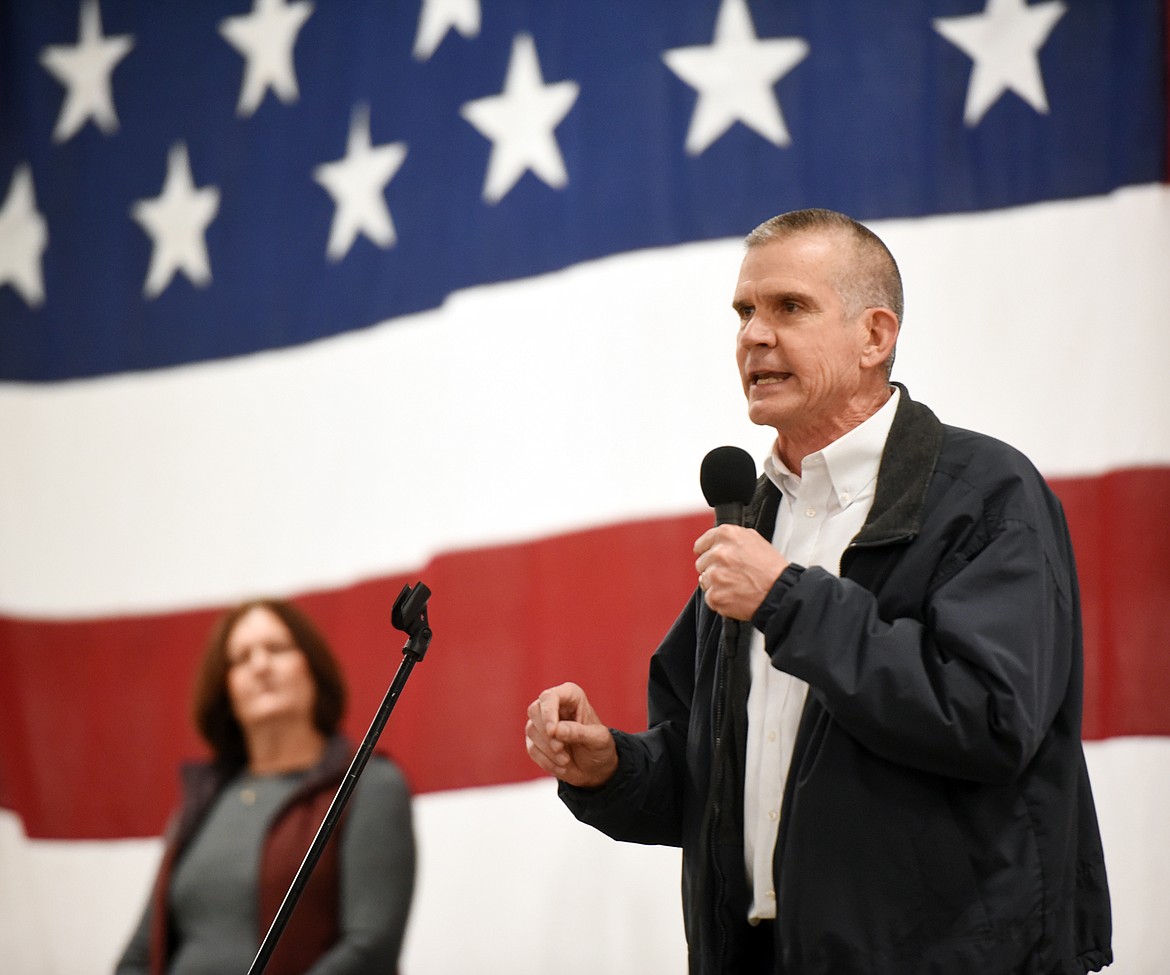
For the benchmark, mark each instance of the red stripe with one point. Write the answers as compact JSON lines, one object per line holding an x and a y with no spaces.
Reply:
{"x":1121,"y":534}
{"x":94,"y":715}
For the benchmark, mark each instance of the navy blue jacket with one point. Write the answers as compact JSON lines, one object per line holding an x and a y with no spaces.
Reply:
{"x":937,"y":816}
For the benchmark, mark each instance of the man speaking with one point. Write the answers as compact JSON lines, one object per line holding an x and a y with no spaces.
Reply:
{"x":864,"y":727}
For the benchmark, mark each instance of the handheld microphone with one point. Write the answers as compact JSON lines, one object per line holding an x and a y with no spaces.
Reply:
{"x":728,"y":479}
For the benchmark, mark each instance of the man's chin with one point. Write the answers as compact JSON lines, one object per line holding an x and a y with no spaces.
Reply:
{"x":767,"y":414}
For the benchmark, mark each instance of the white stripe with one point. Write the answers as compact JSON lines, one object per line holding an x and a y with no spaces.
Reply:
{"x":546,"y":893}
{"x":366,"y":454}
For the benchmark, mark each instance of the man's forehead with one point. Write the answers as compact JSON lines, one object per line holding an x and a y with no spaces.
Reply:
{"x":787,"y":261}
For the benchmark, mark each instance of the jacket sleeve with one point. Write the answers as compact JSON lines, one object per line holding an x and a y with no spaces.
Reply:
{"x":969,"y":682}
{"x":644,"y":801}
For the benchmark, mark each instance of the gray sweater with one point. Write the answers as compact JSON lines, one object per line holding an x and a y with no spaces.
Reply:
{"x":213,"y":891}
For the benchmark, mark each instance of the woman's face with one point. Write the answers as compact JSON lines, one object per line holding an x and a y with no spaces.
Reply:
{"x":268,"y":677}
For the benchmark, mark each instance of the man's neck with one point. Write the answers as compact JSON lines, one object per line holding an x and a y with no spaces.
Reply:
{"x":793,"y":444}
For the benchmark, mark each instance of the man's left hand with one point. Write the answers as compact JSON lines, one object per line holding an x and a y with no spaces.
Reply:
{"x":737,"y":567}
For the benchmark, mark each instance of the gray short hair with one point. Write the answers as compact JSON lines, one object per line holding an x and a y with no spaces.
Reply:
{"x":870,"y":280}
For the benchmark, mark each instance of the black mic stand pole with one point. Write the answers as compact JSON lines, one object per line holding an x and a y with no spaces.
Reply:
{"x":410,"y":616}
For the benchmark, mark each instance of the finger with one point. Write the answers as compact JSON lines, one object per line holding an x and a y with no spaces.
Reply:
{"x":541,"y":759}
{"x":570,"y":733}
{"x":537,"y":727}
{"x":541,"y":749}
{"x":577,"y":736}
{"x":540,"y":739}
{"x":550,"y":706}
{"x":555,"y":705}
{"x":592,"y":754}
{"x":705,"y":541}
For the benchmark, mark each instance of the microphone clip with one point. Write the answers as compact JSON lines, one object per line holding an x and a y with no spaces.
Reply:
{"x":410,"y":615}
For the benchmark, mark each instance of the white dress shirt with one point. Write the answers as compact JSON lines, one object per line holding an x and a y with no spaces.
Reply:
{"x":821,"y":510}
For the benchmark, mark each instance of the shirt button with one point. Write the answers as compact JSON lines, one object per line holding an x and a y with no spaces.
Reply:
{"x":771,"y":895}
{"x":810,"y":512}
{"x":771,"y":736}
{"x":773,"y":815}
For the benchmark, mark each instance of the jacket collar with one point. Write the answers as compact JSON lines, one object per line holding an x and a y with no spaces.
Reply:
{"x":908,"y":464}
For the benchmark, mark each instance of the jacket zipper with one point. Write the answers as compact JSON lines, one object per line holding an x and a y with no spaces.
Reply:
{"x":717,"y":812}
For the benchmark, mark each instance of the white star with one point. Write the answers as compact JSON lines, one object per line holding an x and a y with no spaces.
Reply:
{"x":735,"y":77}
{"x":24,"y":235}
{"x":356,"y":184}
{"x":266,"y":37}
{"x":84,"y":69}
{"x":437,"y":17}
{"x":1004,"y":43}
{"x":520,"y":122}
{"x":176,"y":221}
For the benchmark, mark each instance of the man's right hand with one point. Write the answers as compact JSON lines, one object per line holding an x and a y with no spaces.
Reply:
{"x":565,"y":738}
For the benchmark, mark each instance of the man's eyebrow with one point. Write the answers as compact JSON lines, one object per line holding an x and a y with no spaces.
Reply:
{"x":776,"y":296}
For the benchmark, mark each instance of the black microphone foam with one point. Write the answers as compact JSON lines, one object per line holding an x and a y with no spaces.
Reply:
{"x":728,"y":479}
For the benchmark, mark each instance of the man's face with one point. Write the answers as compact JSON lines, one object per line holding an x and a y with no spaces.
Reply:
{"x":799,"y":354}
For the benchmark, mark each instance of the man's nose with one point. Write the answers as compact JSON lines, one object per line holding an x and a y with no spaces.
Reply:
{"x":756,"y":331}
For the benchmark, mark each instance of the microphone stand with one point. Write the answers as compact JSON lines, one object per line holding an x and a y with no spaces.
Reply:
{"x":409,"y":615}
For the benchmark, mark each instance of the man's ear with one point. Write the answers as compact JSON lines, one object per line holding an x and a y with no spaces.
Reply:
{"x":881,"y":326}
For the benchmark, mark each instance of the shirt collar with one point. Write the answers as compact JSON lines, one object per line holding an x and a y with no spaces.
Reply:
{"x":851,"y":461}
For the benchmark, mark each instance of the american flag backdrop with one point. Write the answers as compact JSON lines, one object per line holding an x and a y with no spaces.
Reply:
{"x":313,"y":298}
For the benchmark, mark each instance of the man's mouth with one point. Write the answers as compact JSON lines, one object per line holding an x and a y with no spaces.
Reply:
{"x":769,"y":378}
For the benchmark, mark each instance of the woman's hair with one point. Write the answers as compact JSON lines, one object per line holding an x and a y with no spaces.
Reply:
{"x":211,"y":705}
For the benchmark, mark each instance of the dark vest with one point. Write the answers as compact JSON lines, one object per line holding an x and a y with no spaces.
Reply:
{"x":314,"y":925}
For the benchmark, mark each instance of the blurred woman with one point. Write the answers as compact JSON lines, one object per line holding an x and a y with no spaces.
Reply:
{"x":268,"y":699}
